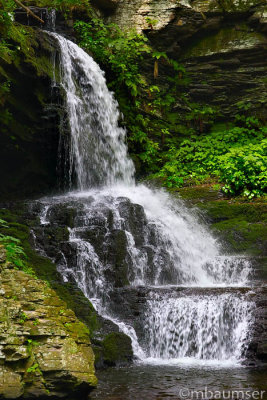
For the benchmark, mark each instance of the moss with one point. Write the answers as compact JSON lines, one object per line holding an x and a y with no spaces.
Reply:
{"x":25,"y":42}
{"x":197,"y":194}
{"x":242,"y":236}
{"x":47,"y":271}
{"x":226,"y":39}
{"x":78,"y":330}
{"x":235,"y":5}
{"x":109,"y":348}
{"x":239,"y":223}
{"x":28,"y":141}
{"x":252,"y":212}
{"x":117,"y":349}
{"x":31,"y":355}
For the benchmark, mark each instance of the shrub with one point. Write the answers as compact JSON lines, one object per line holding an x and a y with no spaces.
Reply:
{"x":236,"y":157}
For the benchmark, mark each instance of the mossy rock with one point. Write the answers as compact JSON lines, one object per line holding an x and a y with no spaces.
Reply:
{"x":69,"y":292}
{"x":240,"y":224}
{"x":226,"y":40}
{"x":45,"y":350}
{"x":117,"y":349}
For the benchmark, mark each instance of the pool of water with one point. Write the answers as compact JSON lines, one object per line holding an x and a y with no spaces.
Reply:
{"x":163,"y":382}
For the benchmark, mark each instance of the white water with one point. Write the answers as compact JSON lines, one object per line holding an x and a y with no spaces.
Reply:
{"x":168,"y":246}
{"x":192,"y":253}
{"x":98,"y":154}
{"x":197,"y":327}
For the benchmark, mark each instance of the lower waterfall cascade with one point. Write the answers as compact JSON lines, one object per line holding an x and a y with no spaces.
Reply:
{"x":123,"y":234}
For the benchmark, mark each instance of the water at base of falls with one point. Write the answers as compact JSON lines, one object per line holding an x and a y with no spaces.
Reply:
{"x":123,"y":236}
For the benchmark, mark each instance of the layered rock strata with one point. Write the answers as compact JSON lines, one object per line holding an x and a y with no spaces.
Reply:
{"x":44,"y":349}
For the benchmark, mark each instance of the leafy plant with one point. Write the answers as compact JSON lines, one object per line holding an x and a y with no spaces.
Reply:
{"x":151,"y":22}
{"x":32,"y":343}
{"x":201,"y":115}
{"x":23,"y":318}
{"x":119,"y":51}
{"x":244,"y":170}
{"x":14,"y":251}
{"x":235,"y":157}
{"x":122,"y":55}
{"x":33,"y":368}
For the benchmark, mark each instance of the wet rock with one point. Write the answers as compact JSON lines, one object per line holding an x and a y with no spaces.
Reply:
{"x":58,"y":248}
{"x":28,"y":161}
{"x":117,"y":350}
{"x":257,"y":351}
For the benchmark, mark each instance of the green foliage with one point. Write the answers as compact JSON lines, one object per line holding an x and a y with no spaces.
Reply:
{"x":68,"y":4}
{"x":201,"y":115}
{"x":23,"y":318}
{"x":122,"y":55}
{"x":235,"y":157}
{"x":6,"y":23}
{"x":244,"y":170}
{"x":6,"y":15}
{"x":151,"y":22}
{"x":119,"y":51}
{"x":32,"y":343}
{"x":33,"y":368}
{"x":14,"y":251}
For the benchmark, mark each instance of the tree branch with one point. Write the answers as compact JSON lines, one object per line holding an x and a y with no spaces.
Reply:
{"x":29,"y":11}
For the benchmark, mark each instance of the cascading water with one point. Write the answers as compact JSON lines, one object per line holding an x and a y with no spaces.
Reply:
{"x":122,"y":234}
{"x":98,"y":154}
{"x":199,"y":327}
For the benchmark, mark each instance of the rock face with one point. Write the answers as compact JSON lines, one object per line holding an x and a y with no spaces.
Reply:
{"x":221,"y":44}
{"x":184,"y":15}
{"x":30,"y":135}
{"x":257,"y":351}
{"x":110,"y":346}
{"x":144,"y":14}
{"x":44,"y":349}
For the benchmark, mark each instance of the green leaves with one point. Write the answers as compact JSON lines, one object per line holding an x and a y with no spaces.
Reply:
{"x":14,"y":252}
{"x":237,"y":158}
{"x":244,"y":170}
{"x":144,"y":104}
{"x":116,"y":50}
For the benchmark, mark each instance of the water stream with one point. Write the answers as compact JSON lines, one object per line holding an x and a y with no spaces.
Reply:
{"x":126,"y":235}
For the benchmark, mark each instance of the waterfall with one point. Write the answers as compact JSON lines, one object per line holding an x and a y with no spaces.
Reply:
{"x":199,"y":327}
{"x":98,"y":154}
{"x":127,"y":235}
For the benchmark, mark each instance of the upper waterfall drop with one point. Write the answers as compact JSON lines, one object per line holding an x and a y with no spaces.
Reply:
{"x":98,"y":153}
